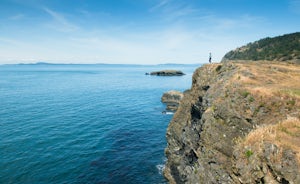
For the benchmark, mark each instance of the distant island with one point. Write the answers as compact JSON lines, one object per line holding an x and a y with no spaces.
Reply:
{"x":120,"y":64}
{"x":37,"y":63}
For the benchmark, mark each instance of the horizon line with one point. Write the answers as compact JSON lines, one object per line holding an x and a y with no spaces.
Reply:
{"x":50,"y":63}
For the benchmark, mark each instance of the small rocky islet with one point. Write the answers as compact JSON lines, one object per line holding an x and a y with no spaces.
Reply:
{"x":167,"y":73}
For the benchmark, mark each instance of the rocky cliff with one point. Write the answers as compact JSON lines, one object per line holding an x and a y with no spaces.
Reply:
{"x":172,"y":99}
{"x":239,"y":123}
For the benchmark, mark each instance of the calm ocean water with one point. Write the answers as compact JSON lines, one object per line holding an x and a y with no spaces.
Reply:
{"x":84,"y":123}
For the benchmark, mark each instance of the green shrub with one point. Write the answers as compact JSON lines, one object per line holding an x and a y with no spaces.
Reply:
{"x":218,"y":68}
{"x":291,"y":102}
{"x":249,"y":153}
{"x":245,"y":94}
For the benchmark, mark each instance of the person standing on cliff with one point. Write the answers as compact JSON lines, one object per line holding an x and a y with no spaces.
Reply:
{"x":209,"y":57}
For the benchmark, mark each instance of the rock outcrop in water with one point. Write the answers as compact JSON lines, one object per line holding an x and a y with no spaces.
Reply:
{"x":172,"y":99}
{"x":239,"y":123}
{"x":168,"y":73}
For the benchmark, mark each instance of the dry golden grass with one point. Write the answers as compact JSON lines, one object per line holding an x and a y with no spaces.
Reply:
{"x":284,"y":135}
{"x":273,"y":86}
{"x":269,"y":91}
{"x":268,"y":78}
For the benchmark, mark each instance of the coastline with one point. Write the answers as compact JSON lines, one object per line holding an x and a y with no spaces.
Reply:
{"x":207,"y":135}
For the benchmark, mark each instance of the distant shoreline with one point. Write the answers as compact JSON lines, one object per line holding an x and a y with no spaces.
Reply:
{"x":46,"y":63}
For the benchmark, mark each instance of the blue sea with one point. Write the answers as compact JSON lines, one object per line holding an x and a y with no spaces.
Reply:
{"x":84,"y":123}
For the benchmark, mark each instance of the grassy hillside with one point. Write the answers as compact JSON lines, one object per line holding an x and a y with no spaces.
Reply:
{"x":280,"y":48}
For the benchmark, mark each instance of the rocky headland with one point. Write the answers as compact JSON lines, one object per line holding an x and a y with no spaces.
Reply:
{"x":239,"y":123}
{"x":168,"y":73}
{"x":172,"y":99}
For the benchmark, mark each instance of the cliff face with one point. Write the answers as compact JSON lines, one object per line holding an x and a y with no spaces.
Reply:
{"x":239,"y":123}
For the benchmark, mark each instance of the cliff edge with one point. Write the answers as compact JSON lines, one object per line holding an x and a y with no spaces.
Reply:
{"x":239,"y":123}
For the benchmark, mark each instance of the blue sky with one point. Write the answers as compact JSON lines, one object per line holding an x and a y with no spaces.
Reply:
{"x":137,"y":31}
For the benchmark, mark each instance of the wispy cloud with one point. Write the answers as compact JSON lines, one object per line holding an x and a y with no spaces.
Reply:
{"x":159,"y":5}
{"x":174,"y":11}
{"x":183,"y":31}
{"x":181,"y":12}
{"x":241,"y":22}
{"x":192,"y":16}
{"x":60,"y":23}
{"x":26,"y":51}
{"x":8,"y":41}
{"x":18,"y":16}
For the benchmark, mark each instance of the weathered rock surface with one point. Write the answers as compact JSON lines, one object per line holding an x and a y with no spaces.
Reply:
{"x":172,"y":99}
{"x":168,"y":73}
{"x":216,"y":135}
